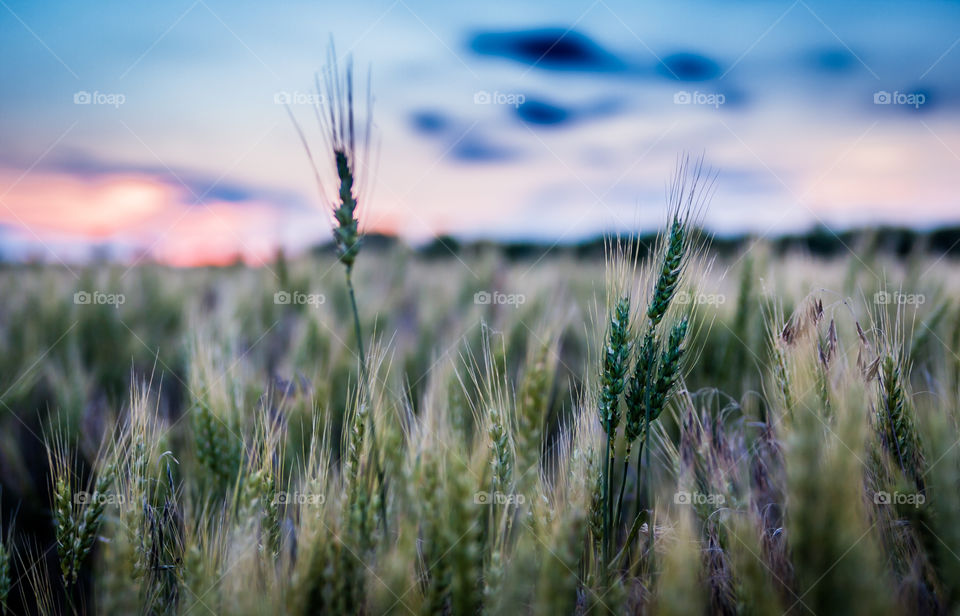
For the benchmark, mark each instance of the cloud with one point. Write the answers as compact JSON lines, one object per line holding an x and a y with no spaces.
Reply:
{"x":430,"y":123}
{"x":688,"y":66}
{"x":466,"y":148}
{"x":541,"y":112}
{"x":833,"y":60}
{"x":555,"y":49}
{"x":559,"y":49}
{"x":474,"y":149}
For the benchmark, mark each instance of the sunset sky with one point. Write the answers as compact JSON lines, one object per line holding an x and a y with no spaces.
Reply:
{"x":160,"y":129}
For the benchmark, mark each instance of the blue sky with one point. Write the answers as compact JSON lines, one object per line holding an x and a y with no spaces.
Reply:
{"x":156,"y":129}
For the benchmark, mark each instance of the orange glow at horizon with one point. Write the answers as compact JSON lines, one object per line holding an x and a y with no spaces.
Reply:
{"x":159,"y":218}
{"x":94,"y":209}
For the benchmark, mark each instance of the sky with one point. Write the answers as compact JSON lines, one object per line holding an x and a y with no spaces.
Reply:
{"x":163,"y":131}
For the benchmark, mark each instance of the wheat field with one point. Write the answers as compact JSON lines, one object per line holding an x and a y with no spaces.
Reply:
{"x":660,"y":432}
{"x":666,"y":430}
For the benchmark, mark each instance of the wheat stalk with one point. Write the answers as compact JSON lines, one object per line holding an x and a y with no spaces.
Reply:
{"x":896,"y":424}
{"x":616,"y":358}
{"x":77,"y":517}
{"x":671,"y":268}
{"x":502,"y":459}
{"x":350,"y":153}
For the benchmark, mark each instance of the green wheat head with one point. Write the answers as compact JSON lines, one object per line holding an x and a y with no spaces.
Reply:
{"x":616,"y":363}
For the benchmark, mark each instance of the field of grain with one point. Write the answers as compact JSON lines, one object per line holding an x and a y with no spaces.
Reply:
{"x":666,"y":429}
{"x":756,"y":434}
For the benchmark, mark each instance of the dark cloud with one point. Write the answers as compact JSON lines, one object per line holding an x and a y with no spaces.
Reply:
{"x":547,"y":48}
{"x":469,"y":148}
{"x":475,"y":149}
{"x":544,"y":113}
{"x":557,"y":49}
{"x":688,"y":66}
{"x":540,"y":112}
{"x":834,"y":60}
{"x":430,"y":123}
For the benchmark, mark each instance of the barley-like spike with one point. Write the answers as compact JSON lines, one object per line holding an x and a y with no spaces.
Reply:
{"x":616,"y":363}
{"x":271,"y":515}
{"x":670,"y":271}
{"x":669,"y":369}
{"x":64,"y":527}
{"x":501,"y":461}
{"x":782,"y":373}
{"x":616,"y":360}
{"x":637,"y":389}
{"x":92,"y":514}
{"x":895,"y":421}
{"x":340,"y":133}
{"x":355,"y":449}
{"x":346,"y":232}
{"x":76,"y":516}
